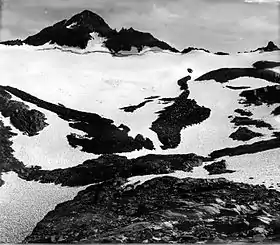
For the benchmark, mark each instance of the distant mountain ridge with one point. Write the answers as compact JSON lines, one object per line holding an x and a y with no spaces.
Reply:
{"x":86,"y":26}
{"x":76,"y":32}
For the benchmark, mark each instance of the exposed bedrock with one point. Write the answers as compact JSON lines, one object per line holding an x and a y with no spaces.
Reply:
{"x":108,"y":167}
{"x":259,"y":146}
{"x":224,"y":75}
{"x":133,"y":108}
{"x":268,"y":95}
{"x":247,"y":121}
{"x":219,"y":167}
{"x":7,"y":161}
{"x":102,"y":136}
{"x":164,"y":210}
{"x":172,"y":119}
{"x":30,"y":122}
{"x":244,"y":134}
{"x":243,"y":112}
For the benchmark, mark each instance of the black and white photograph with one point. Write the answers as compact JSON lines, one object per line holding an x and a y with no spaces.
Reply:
{"x":139,"y":121}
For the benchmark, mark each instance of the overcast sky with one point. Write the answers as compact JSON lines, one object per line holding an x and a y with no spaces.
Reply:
{"x":218,"y":25}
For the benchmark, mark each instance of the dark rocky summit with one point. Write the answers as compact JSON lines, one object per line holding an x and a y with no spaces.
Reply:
{"x":271,"y":46}
{"x":164,"y":210}
{"x":189,"y":49}
{"x":133,"y":108}
{"x":102,"y":136}
{"x":219,"y":167}
{"x":30,"y":122}
{"x":76,"y":31}
{"x":172,"y":119}
{"x":244,"y":134}
{"x":109,"y":167}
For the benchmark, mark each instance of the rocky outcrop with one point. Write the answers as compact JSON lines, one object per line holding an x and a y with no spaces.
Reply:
{"x":247,"y":121}
{"x":259,"y":146}
{"x":265,"y":64}
{"x":268,"y":95}
{"x":30,"y":122}
{"x":125,"y":39}
{"x":219,"y":167}
{"x":133,"y":108}
{"x":190,"y":49}
{"x":243,"y":112}
{"x":244,"y":134}
{"x":7,"y":161}
{"x":224,"y":75}
{"x":109,"y":167}
{"x":102,"y":136}
{"x":271,"y":46}
{"x":16,"y":42}
{"x":172,"y":119}
{"x":164,"y":210}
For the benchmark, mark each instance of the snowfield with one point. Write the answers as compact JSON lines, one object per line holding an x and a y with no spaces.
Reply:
{"x":100,"y":83}
{"x":23,"y":204}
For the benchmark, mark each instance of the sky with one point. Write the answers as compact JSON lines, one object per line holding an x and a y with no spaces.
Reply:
{"x":218,"y":25}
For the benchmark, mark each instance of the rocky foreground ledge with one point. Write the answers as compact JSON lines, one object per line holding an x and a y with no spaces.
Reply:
{"x":164,"y":209}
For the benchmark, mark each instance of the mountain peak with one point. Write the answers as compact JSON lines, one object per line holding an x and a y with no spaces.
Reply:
{"x":271,"y":46}
{"x":90,"y":21}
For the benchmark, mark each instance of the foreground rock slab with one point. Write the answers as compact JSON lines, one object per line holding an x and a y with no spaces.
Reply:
{"x":164,"y":209}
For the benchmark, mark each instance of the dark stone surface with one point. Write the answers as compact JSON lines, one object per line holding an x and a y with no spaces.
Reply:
{"x":125,"y":39}
{"x":268,"y":95}
{"x":7,"y":161}
{"x":271,"y":46}
{"x":243,"y":112}
{"x":108,"y":167}
{"x":244,"y":134}
{"x":16,"y":42}
{"x":218,"y":168}
{"x":164,"y":210}
{"x":221,"y":53}
{"x":246,"y":121}
{"x":133,"y":108}
{"x":172,"y":119}
{"x":102,"y":136}
{"x":224,"y":75}
{"x":265,"y":64}
{"x":189,"y":49}
{"x":30,"y":122}
{"x":276,"y":111}
{"x":237,"y":87}
{"x":259,"y":146}
{"x":152,"y":97}
{"x":183,"y":82}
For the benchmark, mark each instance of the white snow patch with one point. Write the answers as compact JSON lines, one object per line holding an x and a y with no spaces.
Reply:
{"x":71,"y":25}
{"x":23,"y":204}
